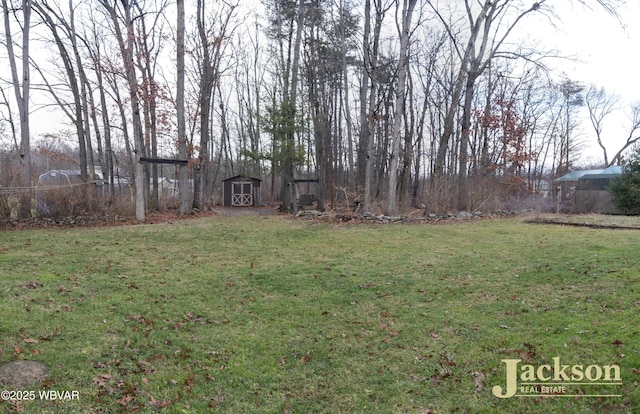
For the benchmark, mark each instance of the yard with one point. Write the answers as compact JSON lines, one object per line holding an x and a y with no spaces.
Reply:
{"x":267,"y":314}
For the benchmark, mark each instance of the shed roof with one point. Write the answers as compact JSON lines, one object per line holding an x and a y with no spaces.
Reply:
{"x":601,"y":176}
{"x":241,"y":176}
{"x":614,"y":169}
{"x":579,"y":174}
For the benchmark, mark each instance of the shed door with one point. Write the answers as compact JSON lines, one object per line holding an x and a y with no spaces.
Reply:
{"x":242,"y":194}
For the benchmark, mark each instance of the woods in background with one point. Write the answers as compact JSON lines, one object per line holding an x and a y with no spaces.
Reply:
{"x":392,"y":104}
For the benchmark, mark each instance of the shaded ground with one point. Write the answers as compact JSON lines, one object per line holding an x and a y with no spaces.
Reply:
{"x":246,"y":211}
{"x":597,"y":221}
{"x":119,"y":220}
{"x":600,"y":221}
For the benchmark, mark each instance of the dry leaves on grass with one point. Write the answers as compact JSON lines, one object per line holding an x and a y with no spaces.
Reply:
{"x":478,"y":380}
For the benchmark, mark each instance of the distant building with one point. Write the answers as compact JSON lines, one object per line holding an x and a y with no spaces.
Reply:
{"x":587,"y":190}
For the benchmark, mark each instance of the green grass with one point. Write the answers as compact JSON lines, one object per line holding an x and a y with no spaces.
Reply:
{"x":270,"y":315}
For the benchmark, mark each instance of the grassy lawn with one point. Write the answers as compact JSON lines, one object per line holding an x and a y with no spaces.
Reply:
{"x":271,"y":315}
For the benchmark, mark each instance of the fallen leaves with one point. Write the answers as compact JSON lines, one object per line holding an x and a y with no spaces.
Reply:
{"x":163,"y":403}
{"x":478,"y":381}
{"x":130,"y":395}
{"x":445,"y":369}
{"x":31,"y":285}
{"x":528,"y":355}
{"x":18,"y":405}
{"x":101,"y":380}
{"x":125,"y":400}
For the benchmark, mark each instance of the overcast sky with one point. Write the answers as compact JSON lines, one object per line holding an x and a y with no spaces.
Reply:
{"x":607,"y":54}
{"x":606,"y":47}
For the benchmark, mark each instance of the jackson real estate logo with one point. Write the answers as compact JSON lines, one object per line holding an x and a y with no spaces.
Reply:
{"x":558,"y":380}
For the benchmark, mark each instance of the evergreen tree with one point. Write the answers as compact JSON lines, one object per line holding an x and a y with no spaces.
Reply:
{"x":625,"y":189}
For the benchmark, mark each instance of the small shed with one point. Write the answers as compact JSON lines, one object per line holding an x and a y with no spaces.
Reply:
{"x":241,"y":191}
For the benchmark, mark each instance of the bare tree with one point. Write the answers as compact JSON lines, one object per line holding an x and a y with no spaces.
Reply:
{"x":250,"y":79}
{"x":600,"y":104}
{"x":22,"y":91}
{"x":403,"y":68}
{"x":214,"y":40}
{"x":64,"y":38}
{"x":182,"y":135}
{"x":149,"y":44}
{"x":485,"y":38}
{"x":369,"y":108}
{"x":632,"y":137}
{"x":94,"y":47}
{"x":287,"y":20}
{"x":123,"y":14}
{"x":364,"y":138}
{"x":571,"y":99}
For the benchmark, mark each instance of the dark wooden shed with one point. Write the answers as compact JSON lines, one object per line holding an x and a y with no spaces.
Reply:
{"x":241,"y":191}
{"x":592,"y":194}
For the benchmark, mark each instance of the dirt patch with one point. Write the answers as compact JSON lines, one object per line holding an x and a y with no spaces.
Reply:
{"x":21,"y":374}
{"x":246,"y":211}
{"x":595,"y":221}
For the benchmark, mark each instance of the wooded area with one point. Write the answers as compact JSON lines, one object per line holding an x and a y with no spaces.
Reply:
{"x":388,"y":104}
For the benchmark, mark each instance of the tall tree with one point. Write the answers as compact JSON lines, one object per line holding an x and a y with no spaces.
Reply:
{"x":149,"y":44}
{"x":69,"y":55}
{"x":363,"y":143}
{"x":572,"y":99}
{"x":22,"y":94}
{"x":328,"y":41}
{"x":94,"y":48}
{"x":286,"y":25}
{"x":214,"y":39}
{"x":490,"y":24}
{"x":122,"y":13}
{"x":600,"y":104}
{"x":403,"y":68}
{"x":182,"y":133}
{"x":370,"y":111}
{"x":250,"y":80}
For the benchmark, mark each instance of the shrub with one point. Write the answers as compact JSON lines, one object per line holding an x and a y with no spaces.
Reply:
{"x":625,"y":189}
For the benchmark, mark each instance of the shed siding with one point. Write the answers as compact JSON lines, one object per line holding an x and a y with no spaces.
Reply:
{"x":228,"y":188}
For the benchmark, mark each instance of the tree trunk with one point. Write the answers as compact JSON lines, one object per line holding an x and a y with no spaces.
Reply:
{"x":77,"y":116}
{"x":363,"y":143}
{"x":205,"y":95}
{"x":288,"y":192}
{"x":126,"y":51}
{"x":403,"y":66}
{"x":182,"y":133}
{"x":372,"y":116}
{"x":463,"y":187}
{"x":22,"y":99}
